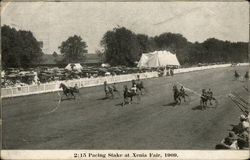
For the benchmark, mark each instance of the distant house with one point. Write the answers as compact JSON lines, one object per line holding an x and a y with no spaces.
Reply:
{"x":51,"y":61}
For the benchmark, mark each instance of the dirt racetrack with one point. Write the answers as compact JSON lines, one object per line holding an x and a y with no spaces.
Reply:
{"x":40,"y":122}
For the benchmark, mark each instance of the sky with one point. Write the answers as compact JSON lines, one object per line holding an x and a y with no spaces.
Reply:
{"x":54,"y":22}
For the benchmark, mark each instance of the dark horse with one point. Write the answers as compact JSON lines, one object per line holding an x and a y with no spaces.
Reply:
{"x":110,"y":90}
{"x":69,"y":91}
{"x":129,"y":94}
{"x":177,"y":95}
{"x":139,"y":85}
{"x":247,"y":75}
{"x":236,"y":75}
{"x":203,"y":102}
{"x":205,"y":97}
{"x":183,"y":94}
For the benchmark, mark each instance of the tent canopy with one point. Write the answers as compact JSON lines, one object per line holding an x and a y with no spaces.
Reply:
{"x":74,"y":66}
{"x":158,"y":59}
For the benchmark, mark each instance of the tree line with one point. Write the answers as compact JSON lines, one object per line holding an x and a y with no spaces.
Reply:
{"x":121,"y":46}
{"x":124,"y":47}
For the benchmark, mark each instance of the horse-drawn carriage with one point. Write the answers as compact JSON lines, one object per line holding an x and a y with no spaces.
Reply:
{"x":139,"y":85}
{"x":69,"y":91}
{"x":179,"y":94}
{"x":207,"y":96}
{"x":110,"y":90}
{"x":129,"y":94}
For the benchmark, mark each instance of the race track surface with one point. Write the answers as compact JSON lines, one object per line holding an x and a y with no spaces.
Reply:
{"x":41,"y":122}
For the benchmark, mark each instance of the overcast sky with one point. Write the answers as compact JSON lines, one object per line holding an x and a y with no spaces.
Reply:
{"x":53,"y":22}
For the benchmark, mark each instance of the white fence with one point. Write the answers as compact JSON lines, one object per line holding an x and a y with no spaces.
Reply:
{"x":84,"y":82}
{"x":183,"y":70}
{"x":88,"y":82}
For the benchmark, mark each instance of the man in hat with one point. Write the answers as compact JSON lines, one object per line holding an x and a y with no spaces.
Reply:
{"x":134,"y":88}
{"x":182,"y":90}
{"x":105,"y":84}
{"x":210,"y":95}
{"x":243,"y":122}
{"x":247,"y":115}
{"x":114,"y":87}
{"x":183,"y":93}
{"x":238,"y":129}
{"x":243,"y":139}
{"x":204,"y":93}
{"x":230,"y":141}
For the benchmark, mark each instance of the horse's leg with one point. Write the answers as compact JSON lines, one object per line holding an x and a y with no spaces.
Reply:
{"x":78,"y":92}
{"x":175,"y":99}
{"x":72,"y":94}
{"x":131,"y":99}
{"x":138,"y":97}
{"x":123,"y":103}
{"x":112,"y":95}
{"x":106,"y":94}
{"x":66,"y":94}
{"x":62,"y":95}
{"x":201,"y":104}
{"x":118,"y":93}
{"x":205,"y":102}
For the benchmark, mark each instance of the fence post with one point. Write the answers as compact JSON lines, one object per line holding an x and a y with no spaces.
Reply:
{"x":12,"y":92}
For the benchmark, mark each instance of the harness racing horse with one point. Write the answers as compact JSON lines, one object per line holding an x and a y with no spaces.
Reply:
{"x":110,"y":90}
{"x":205,"y":97}
{"x":177,"y":95}
{"x":203,"y":102}
{"x":236,"y":75}
{"x":183,"y":94}
{"x":129,"y":94}
{"x":139,"y":85}
{"x":70,"y":90}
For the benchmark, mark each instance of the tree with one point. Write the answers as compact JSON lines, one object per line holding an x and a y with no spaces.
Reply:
{"x":73,"y":50}
{"x":170,"y":41}
{"x":101,"y":55}
{"x":144,"y":43}
{"x":55,"y":54}
{"x":120,"y":47}
{"x":19,"y":48}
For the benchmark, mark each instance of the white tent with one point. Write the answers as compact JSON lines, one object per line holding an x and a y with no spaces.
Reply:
{"x":158,"y":59}
{"x":74,"y":66}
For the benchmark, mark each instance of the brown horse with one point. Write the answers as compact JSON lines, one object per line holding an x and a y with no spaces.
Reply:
{"x":69,"y":91}
{"x":129,"y":94}
{"x":177,"y":95}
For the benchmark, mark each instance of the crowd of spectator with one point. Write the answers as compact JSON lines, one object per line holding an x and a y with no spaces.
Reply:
{"x":20,"y":77}
{"x":238,"y":137}
{"x":14,"y":77}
